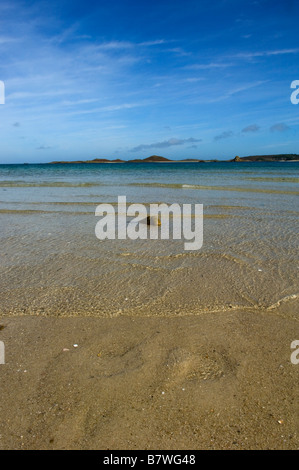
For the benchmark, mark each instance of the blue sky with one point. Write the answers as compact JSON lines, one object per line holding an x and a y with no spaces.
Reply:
{"x":128,"y":79}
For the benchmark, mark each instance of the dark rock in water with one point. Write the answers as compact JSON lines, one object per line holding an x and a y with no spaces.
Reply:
{"x":153,"y":220}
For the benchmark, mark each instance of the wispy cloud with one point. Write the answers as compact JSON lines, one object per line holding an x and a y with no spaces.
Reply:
{"x":193,"y":79}
{"x":179,"y":51}
{"x":224,"y":135}
{"x":8,"y":39}
{"x":209,"y":65}
{"x":43,"y":147}
{"x":250,"y":55}
{"x":165,"y":144}
{"x":156,"y":42}
{"x":238,"y":89}
{"x":79,"y":102}
{"x":279,"y":127}
{"x":251,"y":128}
{"x":118,"y":107}
{"x":110,"y":45}
{"x":115,"y":45}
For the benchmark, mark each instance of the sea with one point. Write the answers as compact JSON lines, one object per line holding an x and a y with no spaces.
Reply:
{"x":53,"y":264}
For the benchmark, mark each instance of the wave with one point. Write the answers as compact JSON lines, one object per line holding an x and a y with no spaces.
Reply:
{"x":214,"y":188}
{"x":40,"y":211}
{"x":246,"y":190}
{"x":46,"y":184}
{"x":281,"y":179}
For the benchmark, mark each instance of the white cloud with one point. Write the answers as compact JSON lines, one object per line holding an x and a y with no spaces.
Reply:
{"x":152,"y":43}
{"x":210,"y":65}
{"x":250,"y":55}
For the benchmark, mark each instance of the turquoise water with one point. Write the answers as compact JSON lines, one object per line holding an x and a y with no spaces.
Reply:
{"x":53,"y":264}
{"x":247,"y":176}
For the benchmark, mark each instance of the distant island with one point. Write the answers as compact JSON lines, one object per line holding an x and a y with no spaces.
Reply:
{"x":268,"y":158}
{"x":159,"y":159}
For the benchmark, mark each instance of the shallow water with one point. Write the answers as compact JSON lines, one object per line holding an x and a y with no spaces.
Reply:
{"x":53,"y":264}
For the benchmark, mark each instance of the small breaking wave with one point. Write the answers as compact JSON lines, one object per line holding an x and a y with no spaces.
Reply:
{"x":46,"y":184}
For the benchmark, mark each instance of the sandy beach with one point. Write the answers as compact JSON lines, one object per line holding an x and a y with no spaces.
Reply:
{"x":141,"y":344}
{"x":214,"y":381}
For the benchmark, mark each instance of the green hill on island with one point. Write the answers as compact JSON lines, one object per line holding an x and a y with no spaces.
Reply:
{"x":158,"y":159}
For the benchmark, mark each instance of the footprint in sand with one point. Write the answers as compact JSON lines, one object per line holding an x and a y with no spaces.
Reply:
{"x":195,"y":366}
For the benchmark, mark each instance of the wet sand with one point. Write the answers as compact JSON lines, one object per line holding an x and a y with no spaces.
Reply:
{"x":212,"y":381}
